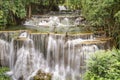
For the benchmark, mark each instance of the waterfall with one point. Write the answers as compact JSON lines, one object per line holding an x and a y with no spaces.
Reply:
{"x":12,"y":55}
{"x":67,"y":62}
{"x":28,"y":61}
{"x":61,"y":55}
{"x":4,"y":53}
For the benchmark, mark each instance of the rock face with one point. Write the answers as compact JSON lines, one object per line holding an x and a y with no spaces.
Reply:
{"x":62,"y":55}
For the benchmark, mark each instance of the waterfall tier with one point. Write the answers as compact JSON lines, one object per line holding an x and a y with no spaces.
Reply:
{"x":62,"y":55}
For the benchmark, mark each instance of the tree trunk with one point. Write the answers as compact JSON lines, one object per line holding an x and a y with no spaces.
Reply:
{"x":29,"y":11}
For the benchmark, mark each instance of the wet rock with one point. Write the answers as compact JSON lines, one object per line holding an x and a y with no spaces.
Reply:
{"x":21,"y":78}
{"x":42,"y":76}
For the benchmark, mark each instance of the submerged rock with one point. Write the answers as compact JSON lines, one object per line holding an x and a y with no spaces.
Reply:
{"x":42,"y":76}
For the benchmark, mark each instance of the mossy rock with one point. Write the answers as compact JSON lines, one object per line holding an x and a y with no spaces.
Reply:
{"x":2,"y":73}
{"x":42,"y":76}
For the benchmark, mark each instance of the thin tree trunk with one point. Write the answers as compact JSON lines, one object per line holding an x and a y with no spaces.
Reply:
{"x":29,"y":11}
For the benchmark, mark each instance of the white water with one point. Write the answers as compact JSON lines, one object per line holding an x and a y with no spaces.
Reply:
{"x":51,"y":22}
{"x":12,"y":55}
{"x":64,"y":60}
{"x":28,"y":61}
{"x":4,"y":52}
{"x":65,"y":63}
{"x":23,"y":35}
{"x":62,"y":8}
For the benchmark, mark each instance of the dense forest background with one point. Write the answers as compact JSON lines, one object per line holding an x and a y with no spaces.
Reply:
{"x":100,"y":14}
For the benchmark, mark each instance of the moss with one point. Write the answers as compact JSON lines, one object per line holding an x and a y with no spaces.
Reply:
{"x":42,"y":76}
{"x":2,"y":73}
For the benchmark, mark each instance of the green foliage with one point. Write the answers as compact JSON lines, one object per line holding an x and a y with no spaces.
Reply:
{"x":103,"y":13}
{"x":1,"y":16}
{"x":12,"y":11}
{"x":104,"y":65}
{"x":18,"y":9}
{"x":73,"y":4}
{"x":1,"y":19}
{"x":117,"y":17}
{"x":100,"y":12}
{"x":2,"y":73}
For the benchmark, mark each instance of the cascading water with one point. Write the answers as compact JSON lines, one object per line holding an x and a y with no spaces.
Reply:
{"x":4,"y":52}
{"x":28,"y":61}
{"x":63,"y":57}
{"x":12,"y":55}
